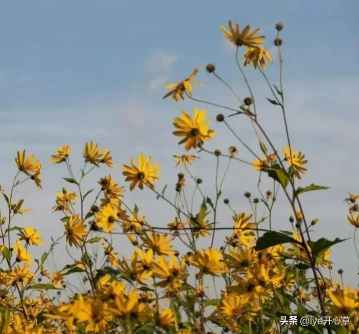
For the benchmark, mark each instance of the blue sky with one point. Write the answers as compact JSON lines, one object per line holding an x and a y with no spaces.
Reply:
{"x":95,"y":70}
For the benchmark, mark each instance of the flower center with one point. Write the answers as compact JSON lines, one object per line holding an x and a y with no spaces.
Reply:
{"x":239,"y":41}
{"x":140,"y":175}
{"x":194,"y":132}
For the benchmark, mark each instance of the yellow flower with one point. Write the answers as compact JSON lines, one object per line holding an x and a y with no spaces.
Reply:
{"x":111,"y":255}
{"x":28,"y":165}
{"x":345,"y":302}
{"x":95,"y":313}
{"x":178,"y":89}
{"x":170,"y":273}
{"x":184,"y":159}
{"x":92,"y":154}
{"x":243,"y":229}
{"x":20,"y":275}
{"x":64,"y":201}
{"x":245,"y":38}
{"x":30,"y":236}
{"x":22,"y":254}
{"x":166,"y":318}
{"x":36,"y":177}
{"x":144,"y":174}
{"x":61,"y":154}
{"x":255,"y":55}
{"x":209,"y":261}
{"x":17,"y":208}
{"x":232,"y":305}
{"x":158,"y":243}
{"x":44,"y":272}
{"x":75,"y":231}
{"x":177,"y":224}
{"x":134,"y":224}
{"x":127,"y":307}
{"x":354,"y":220}
{"x":240,"y":258}
{"x":134,"y":271}
{"x":111,"y":188}
{"x":296,"y":160}
{"x":107,"y":159}
{"x":195,"y":131}
{"x":58,"y":278}
{"x":146,"y":258}
{"x":107,"y":218}
{"x":260,"y":164}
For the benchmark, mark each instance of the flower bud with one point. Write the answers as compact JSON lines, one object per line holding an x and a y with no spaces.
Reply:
{"x":278,"y":42}
{"x":220,"y":118}
{"x":210,"y":68}
{"x":279,"y":26}
{"x":248,"y":101}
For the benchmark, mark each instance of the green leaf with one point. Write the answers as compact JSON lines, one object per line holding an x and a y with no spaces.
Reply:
{"x":40,"y":318}
{"x":273,"y":238}
{"x":65,"y":219}
{"x":311,"y":187}
{"x":6,"y":316}
{"x":211,"y":302}
{"x":163,"y":191}
{"x":248,"y":112}
{"x":94,"y":240}
{"x":43,"y":257}
{"x":277,"y":89}
{"x":135,"y":210}
{"x":302,"y":266}
{"x":87,"y":260}
{"x":89,"y":214}
{"x":7,"y":253}
{"x":279,"y":176}
{"x":263,"y":147}
{"x":74,"y":270}
{"x":320,"y":246}
{"x":89,"y":192}
{"x":201,"y":214}
{"x":6,"y":198}
{"x":42,"y":287}
{"x":106,"y":271}
{"x":70,"y":180}
{"x":146,"y":289}
{"x":273,"y":101}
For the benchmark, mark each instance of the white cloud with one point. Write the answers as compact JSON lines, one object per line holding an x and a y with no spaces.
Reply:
{"x":159,"y":64}
{"x":157,"y":82}
{"x":159,"y":61}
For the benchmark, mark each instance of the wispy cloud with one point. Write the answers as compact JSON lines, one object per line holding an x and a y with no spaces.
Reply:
{"x":158,"y":64}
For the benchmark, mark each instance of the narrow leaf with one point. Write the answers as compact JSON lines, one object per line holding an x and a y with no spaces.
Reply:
{"x":70,"y":180}
{"x":273,"y":101}
{"x":90,"y":191}
{"x":94,"y":240}
{"x":311,"y":187}
{"x":42,"y":287}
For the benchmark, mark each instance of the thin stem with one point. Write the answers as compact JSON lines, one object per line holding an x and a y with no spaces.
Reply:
{"x":214,"y":104}
{"x":241,"y":141}
{"x":229,"y":87}
{"x":247,"y":83}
